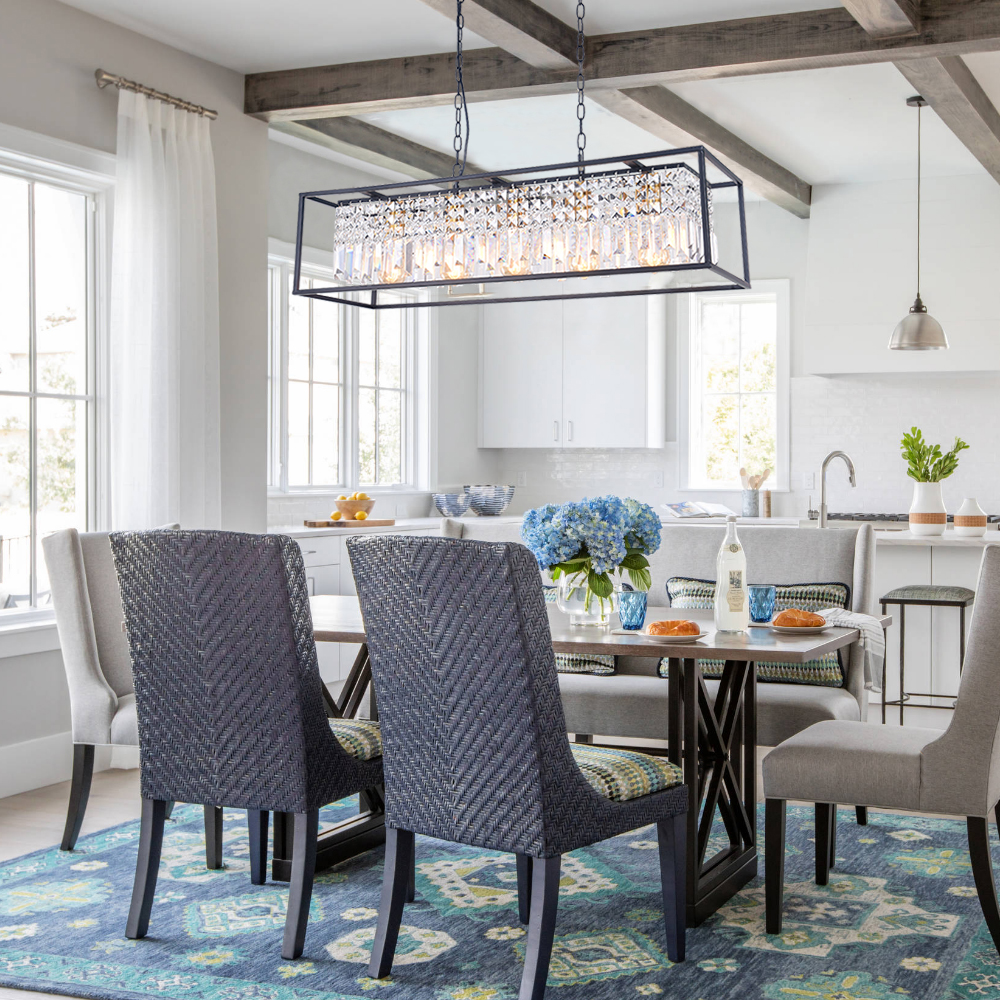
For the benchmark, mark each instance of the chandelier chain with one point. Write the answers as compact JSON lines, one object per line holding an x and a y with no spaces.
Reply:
{"x":920,"y":108}
{"x":461,"y":140}
{"x":581,"y":108}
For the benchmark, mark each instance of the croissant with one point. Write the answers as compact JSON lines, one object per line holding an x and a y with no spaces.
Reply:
{"x":674,"y":626}
{"x":797,"y":618}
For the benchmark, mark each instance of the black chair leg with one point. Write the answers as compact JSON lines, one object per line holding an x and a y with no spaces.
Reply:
{"x":523,"y":887}
{"x":982,"y":871}
{"x":169,"y":811}
{"x":83,"y":773}
{"x":671,"y":834}
{"x":541,"y":927}
{"x":398,"y":857}
{"x":213,"y":836}
{"x":300,"y":886}
{"x":411,"y":886}
{"x":147,"y":864}
{"x":825,"y":820}
{"x":774,"y":862}
{"x":257,"y":824}
{"x":833,"y":836}
{"x":862,"y":813}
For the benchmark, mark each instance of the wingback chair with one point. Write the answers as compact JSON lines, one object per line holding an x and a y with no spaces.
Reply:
{"x":229,"y":698}
{"x":476,"y":750}
{"x":98,"y":666}
{"x":957,"y":771}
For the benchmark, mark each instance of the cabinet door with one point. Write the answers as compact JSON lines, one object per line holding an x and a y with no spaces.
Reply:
{"x":604,"y":373}
{"x":521,"y":375}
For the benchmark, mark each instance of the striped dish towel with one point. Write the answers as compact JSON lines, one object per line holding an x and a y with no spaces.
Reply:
{"x":872,"y":640}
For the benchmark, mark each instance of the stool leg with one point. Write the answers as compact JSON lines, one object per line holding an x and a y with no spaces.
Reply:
{"x":902,"y":647}
{"x":885,"y":694}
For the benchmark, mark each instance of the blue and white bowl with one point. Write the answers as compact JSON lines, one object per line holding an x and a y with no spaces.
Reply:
{"x":451,"y":504}
{"x":488,"y":501}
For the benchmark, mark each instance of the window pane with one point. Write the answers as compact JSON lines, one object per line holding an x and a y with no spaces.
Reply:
{"x":390,"y":360}
{"x":15,"y":516}
{"x":326,"y":341}
{"x":326,"y":435}
{"x":61,"y":289}
{"x":720,"y":345}
{"x":759,"y":331}
{"x":366,"y":348}
{"x":366,"y":436}
{"x":390,"y":437}
{"x":720,"y":433}
{"x":298,"y":433}
{"x":14,"y":283}
{"x":758,"y":431}
{"x":298,"y":336}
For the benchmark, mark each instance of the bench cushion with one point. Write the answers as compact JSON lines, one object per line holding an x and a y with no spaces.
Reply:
{"x":361,"y":738}
{"x":624,"y":774}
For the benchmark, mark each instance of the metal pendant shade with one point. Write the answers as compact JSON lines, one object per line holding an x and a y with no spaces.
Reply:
{"x":918,"y":330}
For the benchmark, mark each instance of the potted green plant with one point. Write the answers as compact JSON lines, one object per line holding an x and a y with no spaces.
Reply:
{"x":927,"y":465}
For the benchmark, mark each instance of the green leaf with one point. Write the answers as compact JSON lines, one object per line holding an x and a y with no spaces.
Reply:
{"x":634,"y":560}
{"x":640,"y":578}
{"x":600,"y":584}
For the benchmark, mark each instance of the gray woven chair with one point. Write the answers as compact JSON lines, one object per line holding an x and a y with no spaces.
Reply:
{"x":956,"y":772}
{"x":475,"y":742}
{"x":229,"y":697}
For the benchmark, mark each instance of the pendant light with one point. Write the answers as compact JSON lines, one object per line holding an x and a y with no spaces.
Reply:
{"x":918,"y":331}
{"x":566,"y":230}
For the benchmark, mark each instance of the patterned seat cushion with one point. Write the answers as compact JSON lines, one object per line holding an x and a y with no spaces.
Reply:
{"x":827,"y":671}
{"x":624,"y":774}
{"x":580,"y":663}
{"x":361,"y":738}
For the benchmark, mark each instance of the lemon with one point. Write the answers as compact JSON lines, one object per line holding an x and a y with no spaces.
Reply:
{"x":342,"y":497}
{"x":361,"y":496}
{"x":353,"y":496}
{"x":361,"y":516}
{"x":335,"y":516}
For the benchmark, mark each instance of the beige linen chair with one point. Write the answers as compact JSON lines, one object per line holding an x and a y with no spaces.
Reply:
{"x":924,"y":770}
{"x":98,"y":666}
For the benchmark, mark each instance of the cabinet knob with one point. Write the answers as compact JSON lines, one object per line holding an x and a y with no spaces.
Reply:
{"x":569,"y":435}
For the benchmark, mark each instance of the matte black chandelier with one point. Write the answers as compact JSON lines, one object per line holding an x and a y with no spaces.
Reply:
{"x":577,"y":225}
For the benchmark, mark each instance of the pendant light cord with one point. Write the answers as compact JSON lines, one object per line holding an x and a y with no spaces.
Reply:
{"x":920,"y":109}
{"x":460,"y":143}
{"x":581,"y":108}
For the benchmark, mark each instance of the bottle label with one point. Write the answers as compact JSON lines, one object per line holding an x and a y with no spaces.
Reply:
{"x":734,"y":595}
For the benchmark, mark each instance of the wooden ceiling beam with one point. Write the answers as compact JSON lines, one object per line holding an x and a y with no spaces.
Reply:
{"x":949,"y":87}
{"x":886,"y":18}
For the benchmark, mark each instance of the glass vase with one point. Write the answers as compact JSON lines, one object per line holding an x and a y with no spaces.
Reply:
{"x":575,"y":598}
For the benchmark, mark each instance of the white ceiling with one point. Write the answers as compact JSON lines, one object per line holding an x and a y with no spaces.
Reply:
{"x":841,"y":125}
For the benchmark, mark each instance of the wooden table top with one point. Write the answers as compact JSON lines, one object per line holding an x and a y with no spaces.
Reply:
{"x":338,"y":619}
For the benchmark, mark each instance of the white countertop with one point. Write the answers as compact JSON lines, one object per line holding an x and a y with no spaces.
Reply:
{"x":360,"y":528}
{"x":889,"y":538}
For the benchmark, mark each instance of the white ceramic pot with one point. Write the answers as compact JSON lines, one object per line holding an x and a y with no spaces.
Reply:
{"x":928,"y":515}
{"x":970,"y":519}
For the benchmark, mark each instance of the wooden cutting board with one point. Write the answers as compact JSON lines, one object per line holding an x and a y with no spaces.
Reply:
{"x":371,"y":522}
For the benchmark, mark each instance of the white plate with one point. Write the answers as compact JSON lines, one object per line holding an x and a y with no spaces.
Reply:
{"x":800,"y":629}
{"x":660,"y":638}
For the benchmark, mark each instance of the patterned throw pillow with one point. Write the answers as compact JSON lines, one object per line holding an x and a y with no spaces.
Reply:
{"x":827,"y":671}
{"x":580,"y":663}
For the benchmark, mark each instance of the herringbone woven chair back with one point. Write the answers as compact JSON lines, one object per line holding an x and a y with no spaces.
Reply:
{"x":228,"y":696}
{"x":474,"y":738}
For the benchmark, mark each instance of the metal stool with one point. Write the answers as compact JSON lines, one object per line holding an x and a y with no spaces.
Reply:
{"x":927,"y":596}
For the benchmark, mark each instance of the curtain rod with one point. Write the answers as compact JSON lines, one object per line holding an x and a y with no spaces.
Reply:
{"x":103,"y":79}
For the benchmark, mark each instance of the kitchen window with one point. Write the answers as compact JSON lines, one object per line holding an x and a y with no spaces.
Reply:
{"x":736,"y":405}
{"x":340,"y":389}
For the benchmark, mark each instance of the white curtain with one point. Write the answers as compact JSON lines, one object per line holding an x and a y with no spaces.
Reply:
{"x":164,"y":363}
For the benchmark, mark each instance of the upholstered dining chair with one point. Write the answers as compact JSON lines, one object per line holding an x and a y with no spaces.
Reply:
{"x":98,"y":666}
{"x":229,"y":698}
{"x":475,"y":743}
{"x":957,"y":771}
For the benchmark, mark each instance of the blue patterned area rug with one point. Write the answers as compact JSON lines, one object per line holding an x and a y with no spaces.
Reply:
{"x":899,"y":919}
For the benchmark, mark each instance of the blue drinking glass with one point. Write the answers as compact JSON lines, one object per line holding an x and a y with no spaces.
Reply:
{"x":762,"y":603}
{"x":632,"y":609}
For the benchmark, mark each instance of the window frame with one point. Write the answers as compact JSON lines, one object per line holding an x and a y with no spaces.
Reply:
{"x":280,"y":267}
{"x":90,"y":173}
{"x":686,"y":320}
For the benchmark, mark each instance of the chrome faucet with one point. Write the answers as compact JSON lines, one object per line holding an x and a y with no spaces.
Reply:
{"x":822,"y":493}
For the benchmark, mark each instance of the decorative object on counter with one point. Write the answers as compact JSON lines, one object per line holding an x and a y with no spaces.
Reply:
{"x":632,"y":609}
{"x":451,"y":504}
{"x":355,"y":507}
{"x":583,"y":544}
{"x":918,"y":331}
{"x":731,"y":611}
{"x":691,"y":508}
{"x":489,"y":501}
{"x":751,"y":503}
{"x":765,"y":503}
{"x":927,"y":465}
{"x":970,"y":519}
{"x":350,"y":522}
{"x":762,"y":600}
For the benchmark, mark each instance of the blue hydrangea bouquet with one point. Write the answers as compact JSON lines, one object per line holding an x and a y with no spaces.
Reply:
{"x":583,"y":545}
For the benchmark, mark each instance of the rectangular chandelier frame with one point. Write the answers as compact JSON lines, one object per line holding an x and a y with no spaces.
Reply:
{"x":410,"y":216}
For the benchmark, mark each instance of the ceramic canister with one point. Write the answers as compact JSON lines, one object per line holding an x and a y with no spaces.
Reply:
{"x":970,"y":519}
{"x":928,"y":515}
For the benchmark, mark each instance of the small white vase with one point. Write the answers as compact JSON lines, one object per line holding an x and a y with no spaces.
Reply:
{"x":928,"y":515}
{"x":970,"y":519}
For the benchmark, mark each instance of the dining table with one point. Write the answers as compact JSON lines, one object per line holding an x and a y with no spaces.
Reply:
{"x":712,"y":738}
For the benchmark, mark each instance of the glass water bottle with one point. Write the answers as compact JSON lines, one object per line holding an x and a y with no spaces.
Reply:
{"x":732,"y":611}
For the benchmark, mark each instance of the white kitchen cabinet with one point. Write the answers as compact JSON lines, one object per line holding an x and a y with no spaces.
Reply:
{"x":574,"y":374}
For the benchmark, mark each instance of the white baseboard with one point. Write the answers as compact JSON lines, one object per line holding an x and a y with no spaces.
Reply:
{"x":49,"y":760}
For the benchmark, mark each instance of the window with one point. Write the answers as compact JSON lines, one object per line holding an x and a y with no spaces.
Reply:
{"x":339,"y":383}
{"x":737,"y":391}
{"x":46,"y":377}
